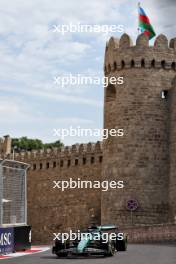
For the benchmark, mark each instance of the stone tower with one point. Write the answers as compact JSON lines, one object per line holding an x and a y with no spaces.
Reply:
{"x":5,"y":145}
{"x":172,"y":152}
{"x":141,"y":158}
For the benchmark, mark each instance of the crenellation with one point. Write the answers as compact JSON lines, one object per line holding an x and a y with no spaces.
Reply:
{"x":98,"y":147}
{"x":125,"y":41}
{"x":113,"y":43}
{"x":67,"y":150}
{"x":39,"y":158}
{"x":142,"y":41}
{"x":90,"y":147}
{"x":123,"y":55}
{"x":161,"y":42}
{"x":82,"y":148}
{"x":172,"y":43}
{"x":75,"y":148}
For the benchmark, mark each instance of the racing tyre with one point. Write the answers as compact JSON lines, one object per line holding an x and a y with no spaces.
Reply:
{"x":111,"y":249}
{"x":121,"y":245}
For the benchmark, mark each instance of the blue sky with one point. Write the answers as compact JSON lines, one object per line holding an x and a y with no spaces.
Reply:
{"x":32,"y":54}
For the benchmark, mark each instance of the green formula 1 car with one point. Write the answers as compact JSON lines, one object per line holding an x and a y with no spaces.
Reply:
{"x":96,"y":240}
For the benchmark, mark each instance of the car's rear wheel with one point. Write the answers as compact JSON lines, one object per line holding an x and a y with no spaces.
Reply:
{"x":122,"y":245}
{"x":59,"y":245}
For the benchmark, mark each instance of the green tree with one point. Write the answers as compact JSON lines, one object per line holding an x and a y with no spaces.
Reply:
{"x":28,"y":144}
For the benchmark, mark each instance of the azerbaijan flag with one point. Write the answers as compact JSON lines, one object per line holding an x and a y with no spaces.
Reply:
{"x":145,"y":25}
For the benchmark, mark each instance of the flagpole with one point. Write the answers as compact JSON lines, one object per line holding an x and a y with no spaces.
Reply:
{"x":139,"y":4}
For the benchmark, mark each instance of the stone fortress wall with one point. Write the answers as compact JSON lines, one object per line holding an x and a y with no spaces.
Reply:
{"x":144,"y":158}
{"x":51,"y":210}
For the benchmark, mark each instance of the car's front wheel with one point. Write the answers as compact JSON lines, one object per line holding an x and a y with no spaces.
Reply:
{"x":111,"y":249}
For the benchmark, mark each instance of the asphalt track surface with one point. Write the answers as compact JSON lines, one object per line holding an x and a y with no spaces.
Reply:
{"x":136,"y":254}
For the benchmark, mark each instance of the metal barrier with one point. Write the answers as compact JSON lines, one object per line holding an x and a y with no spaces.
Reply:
{"x":13,"y":193}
